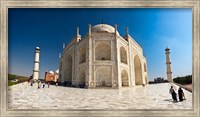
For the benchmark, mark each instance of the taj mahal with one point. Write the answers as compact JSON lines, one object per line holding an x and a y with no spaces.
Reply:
{"x":102,"y":58}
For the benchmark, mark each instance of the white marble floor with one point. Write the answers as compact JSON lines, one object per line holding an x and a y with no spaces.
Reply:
{"x":155,"y":96}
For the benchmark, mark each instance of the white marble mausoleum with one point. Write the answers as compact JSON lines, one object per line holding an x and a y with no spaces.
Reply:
{"x":103,"y":58}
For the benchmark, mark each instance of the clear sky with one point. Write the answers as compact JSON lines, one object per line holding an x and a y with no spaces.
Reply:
{"x":49,"y":28}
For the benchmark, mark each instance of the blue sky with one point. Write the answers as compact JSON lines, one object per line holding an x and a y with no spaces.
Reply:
{"x":49,"y":28}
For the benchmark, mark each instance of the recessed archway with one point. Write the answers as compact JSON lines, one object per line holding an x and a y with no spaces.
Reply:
{"x":102,"y":51}
{"x":68,"y":70}
{"x":138,"y":70}
{"x":124,"y":77}
{"x":82,"y":54}
{"x":123,"y":55}
{"x":103,"y":76}
{"x":82,"y":77}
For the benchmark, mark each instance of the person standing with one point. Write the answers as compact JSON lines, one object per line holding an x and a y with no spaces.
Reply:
{"x":180,"y":94}
{"x":31,"y":82}
{"x":43,"y":84}
{"x":171,"y":90}
{"x":38,"y":84}
{"x":173,"y":93}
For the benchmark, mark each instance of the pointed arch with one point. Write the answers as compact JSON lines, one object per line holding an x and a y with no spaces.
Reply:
{"x":82,"y":54}
{"x":82,"y":76}
{"x":102,"y":51}
{"x":123,"y":55}
{"x":103,"y":77}
{"x":138,"y":70}
{"x":68,"y":70}
{"x":124,"y":77}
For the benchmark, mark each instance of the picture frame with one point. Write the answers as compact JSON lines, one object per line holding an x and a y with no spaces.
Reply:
{"x":195,"y":5}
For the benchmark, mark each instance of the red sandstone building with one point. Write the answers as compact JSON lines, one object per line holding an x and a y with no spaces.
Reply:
{"x":51,"y":76}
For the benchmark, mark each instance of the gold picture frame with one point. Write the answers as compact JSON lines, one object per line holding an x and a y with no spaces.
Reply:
{"x":194,"y":4}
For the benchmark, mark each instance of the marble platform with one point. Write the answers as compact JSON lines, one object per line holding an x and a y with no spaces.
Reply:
{"x":154,"y":96}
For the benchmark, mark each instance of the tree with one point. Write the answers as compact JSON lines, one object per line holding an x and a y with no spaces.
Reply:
{"x":11,"y":77}
{"x":183,"y":80}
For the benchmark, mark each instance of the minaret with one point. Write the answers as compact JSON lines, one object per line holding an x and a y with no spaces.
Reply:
{"x":168,"y":64}
{"x":78,"y":36}
{"x":36,"y":64}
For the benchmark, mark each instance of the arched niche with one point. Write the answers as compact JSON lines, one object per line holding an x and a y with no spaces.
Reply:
{"x":123,"y":55}
{"x":124,"y":77}
{"x":82,"y":54}
{"x":82,"y":76}
{"x":103,"y":76}
{"x":102,"y":51}
{"x":138,"y":70}
{"x":68,"y":70}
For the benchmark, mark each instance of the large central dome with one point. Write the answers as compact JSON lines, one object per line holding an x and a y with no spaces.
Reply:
{"x":104,"y":28}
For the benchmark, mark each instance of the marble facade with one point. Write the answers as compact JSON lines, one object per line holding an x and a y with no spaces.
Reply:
{"x":103,"y":58}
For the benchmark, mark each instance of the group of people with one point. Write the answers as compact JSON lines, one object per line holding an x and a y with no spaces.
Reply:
{"x":174,"y":94}
{"x":40,"y":84}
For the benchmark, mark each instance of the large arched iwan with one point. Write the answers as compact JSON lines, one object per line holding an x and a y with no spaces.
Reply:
{"x":68,"y":70}
{"x":138,"y":70}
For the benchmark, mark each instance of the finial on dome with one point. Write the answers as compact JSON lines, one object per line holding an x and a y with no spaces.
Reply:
{"x":102,"y":21}
{"x":115,"y":26}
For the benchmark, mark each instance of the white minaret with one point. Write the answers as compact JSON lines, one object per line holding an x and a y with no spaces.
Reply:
{"x":168,"y":64}
{"x":36,"y":64}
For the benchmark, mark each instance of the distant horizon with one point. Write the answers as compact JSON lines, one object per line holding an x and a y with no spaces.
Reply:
{"x":152,"y":28}
{"x":149,"y":80}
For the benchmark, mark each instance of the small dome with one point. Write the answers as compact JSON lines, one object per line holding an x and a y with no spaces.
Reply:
{"x":167,"y":49}
{"x":104,"y":28}
{"x":57,"y":71}
{"x":37,"y":48}
{"x":51,"y":72}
